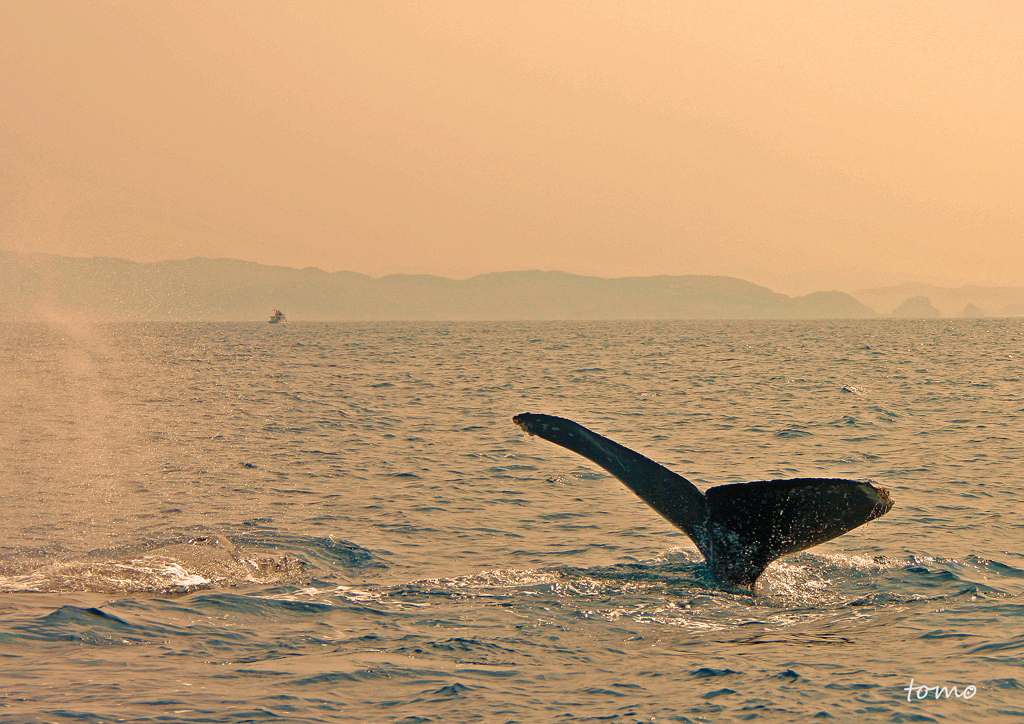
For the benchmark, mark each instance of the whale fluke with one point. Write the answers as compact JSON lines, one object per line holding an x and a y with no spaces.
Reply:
{"x":739,"y":528}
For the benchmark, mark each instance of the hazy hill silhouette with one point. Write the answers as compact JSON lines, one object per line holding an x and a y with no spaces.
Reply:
{"x":972,"y":300}
{"x":33,"y":286}
{"x":919,"y":307}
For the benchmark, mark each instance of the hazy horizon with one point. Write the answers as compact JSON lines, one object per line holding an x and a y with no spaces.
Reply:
{"x":894,"y":283}
{"x":797,"y":146}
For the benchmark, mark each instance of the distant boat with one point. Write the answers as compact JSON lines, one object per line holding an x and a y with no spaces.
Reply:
{"x":277,"y":317}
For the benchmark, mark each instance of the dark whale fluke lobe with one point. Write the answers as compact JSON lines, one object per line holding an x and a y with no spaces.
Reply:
{"x":739,"y":528}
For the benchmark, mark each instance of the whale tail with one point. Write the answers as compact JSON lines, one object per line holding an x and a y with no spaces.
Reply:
{"x":738,"y":528}
{"x":755,"y":523}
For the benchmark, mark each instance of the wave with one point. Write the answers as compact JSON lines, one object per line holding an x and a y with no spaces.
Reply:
{"x":814,"y":595}
{"x":198,"y":563}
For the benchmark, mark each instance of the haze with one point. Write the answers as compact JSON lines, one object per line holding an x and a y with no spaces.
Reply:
{"x":800,"y":145}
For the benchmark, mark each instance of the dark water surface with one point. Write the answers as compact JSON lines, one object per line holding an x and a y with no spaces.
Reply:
{"x":339,"y":522}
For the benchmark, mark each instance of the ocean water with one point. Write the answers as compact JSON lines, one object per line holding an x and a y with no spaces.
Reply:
{"x":340,"y":522}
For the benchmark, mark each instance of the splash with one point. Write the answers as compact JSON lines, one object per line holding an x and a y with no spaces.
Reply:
{"x":210,"y":562}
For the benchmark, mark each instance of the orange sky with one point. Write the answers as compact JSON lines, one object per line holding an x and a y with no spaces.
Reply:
{"x":799,"y":144}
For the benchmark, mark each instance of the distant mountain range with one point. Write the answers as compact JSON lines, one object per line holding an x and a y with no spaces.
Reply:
{"x":38,"y":286}
{"x":966,"y":301}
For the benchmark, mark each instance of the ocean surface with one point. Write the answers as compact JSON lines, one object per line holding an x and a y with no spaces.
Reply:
{"x":340,"y":522}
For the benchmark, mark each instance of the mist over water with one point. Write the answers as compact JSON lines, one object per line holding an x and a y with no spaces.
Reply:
{"x":340,"y":522}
